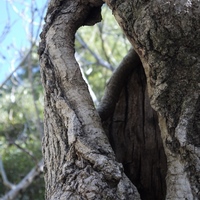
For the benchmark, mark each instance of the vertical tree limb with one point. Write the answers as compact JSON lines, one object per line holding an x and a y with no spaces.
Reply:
{"x":24,"y":183}
{"x":166,"y":37}
{"x":79,"y":161}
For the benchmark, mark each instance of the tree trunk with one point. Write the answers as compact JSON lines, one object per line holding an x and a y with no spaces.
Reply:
{"x":166,"y":36}
{"x":79,"y":161}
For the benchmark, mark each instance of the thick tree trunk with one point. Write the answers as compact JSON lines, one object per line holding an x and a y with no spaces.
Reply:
{"x":166,"y":35}
{"x":79,"y":162}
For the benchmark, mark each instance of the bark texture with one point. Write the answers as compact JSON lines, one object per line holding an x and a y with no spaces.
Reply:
{"x":116,"y":84}
{"x":135,"y":137}
{"x":79,"y":162}
{"x":166,"y":35}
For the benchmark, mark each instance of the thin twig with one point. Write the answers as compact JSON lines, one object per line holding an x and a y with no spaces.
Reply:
{"x":30,"y":73}
{"x":100,"y":28}
{"x":20,"y":65}
{"x":24,"y":150}
{"x":29,"y":52}
{"x":97,"y":57}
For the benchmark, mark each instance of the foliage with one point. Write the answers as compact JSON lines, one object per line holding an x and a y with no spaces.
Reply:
{"x":19,"y":134}
{"x":105,"y":41}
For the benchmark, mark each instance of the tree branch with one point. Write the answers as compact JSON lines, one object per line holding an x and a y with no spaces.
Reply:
{"x":72,"y":124}
{"x":24,"y":150}
{"x":20,"y":65}
{"x":4,"y":176}
{"x":116,"y":83}
{"x":31,"y":47}
{"x":97,"y":57}
{"x":24,"y":183}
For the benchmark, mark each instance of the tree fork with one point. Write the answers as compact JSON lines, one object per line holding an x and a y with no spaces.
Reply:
{"x":166,"y":37}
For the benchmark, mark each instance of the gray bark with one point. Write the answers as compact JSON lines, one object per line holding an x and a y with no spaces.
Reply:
{"x":135,"y":136}
{"x":79,"y":161}
{"x":166,"y":36}
{"x":116,"y":84}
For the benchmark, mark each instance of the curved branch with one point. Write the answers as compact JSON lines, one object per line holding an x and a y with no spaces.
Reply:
{"x":71,"y":118}
{"x":24,"y":183}
{"x":116,"y":83}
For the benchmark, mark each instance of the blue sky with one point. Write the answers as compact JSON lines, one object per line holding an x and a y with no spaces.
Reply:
{"x":17,"y":15}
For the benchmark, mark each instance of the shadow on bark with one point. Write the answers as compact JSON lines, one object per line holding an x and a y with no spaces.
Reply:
{"x":134,"y":134}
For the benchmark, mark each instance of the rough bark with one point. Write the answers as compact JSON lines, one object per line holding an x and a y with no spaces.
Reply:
{"x":166,"y":35}
{"x":116,"y":84}
{"x":135,"y":136}
{"x":79,"y":162}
